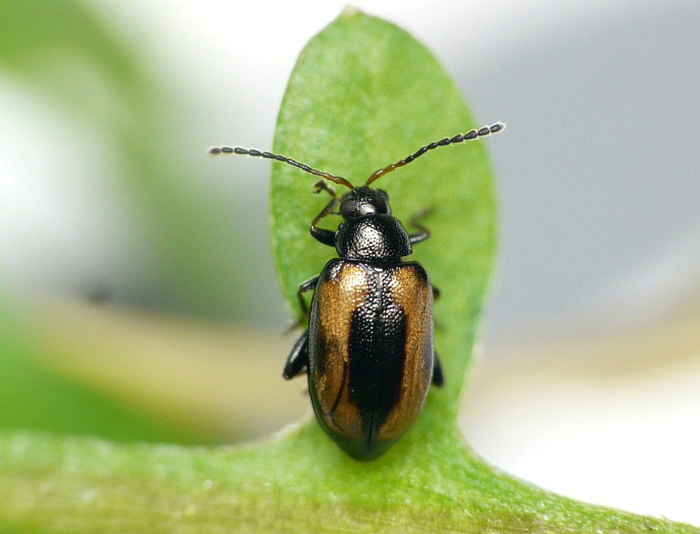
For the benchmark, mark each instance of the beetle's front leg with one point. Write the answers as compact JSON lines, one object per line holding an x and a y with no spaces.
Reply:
{"x":415,"y":222}
{"x":298,"y":358}
{"x":327,"y":237}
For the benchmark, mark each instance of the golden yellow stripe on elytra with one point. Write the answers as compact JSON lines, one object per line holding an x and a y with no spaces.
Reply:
{"x":413,"y":294}
{"x":338,"y":298}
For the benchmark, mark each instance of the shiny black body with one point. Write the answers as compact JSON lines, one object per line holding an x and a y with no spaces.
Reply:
{"x":368,"y":350}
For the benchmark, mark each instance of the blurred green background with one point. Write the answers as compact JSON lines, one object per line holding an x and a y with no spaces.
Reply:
{"x":137,"y":296}
{"x":155,"y":239}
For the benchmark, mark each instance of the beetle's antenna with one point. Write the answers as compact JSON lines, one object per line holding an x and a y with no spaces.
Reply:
{"x":459,"y":138}
{"x":284,"y":159}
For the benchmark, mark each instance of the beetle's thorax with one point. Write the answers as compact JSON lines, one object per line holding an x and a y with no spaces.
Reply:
{"x":368,"y":231}
{"x":372,"y":238}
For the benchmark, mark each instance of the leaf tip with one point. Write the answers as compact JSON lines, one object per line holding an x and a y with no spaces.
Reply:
{"x":349,"y":12}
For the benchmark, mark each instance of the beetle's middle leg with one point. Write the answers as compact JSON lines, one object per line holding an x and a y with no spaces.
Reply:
{"x":305,"y":286}
{"x":298,"y":358}
{"x":438,"y":379}
{"x":436,"y":295}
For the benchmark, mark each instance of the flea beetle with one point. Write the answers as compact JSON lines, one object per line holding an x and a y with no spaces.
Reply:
{"x":368,"y":349}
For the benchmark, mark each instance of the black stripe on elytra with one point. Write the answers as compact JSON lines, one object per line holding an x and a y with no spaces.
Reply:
{"x":377,"y":347}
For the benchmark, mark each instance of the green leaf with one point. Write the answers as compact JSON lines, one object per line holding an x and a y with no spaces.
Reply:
{"x":363,"y":95}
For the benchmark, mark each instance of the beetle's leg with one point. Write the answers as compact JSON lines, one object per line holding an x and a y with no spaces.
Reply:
{"x":438,"y":379}
{"x":327,"y":237}
{"x":305,"y":286}
{"x":436,"y":295}
{"x":322,"y":184}
{"x":415,"y":222}
{"x":298,"y":358}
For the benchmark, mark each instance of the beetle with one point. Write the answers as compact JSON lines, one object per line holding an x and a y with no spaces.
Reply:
{"x":368,"y":348}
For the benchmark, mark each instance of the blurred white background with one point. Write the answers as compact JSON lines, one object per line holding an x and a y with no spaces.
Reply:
{"x":589,"y":381}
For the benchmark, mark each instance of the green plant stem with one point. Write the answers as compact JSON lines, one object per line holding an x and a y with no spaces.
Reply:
{"x":63,"y":484}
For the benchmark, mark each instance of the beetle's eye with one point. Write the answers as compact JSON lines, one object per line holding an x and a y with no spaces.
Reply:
{"x":348,"y":208}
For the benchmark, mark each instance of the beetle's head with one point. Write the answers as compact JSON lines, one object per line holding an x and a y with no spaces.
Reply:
{"x":363,"y":201}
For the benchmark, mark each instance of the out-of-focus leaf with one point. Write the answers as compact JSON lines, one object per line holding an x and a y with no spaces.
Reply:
{"x":35,"y":397}
{"x":72,"y":58}
{"x":68,"y":56}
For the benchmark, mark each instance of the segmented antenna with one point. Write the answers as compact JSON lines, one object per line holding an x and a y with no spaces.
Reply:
{"x":459,"y":138}
{"x":269,"y":155}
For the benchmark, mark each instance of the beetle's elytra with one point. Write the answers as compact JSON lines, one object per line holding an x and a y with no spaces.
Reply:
{"x":368,"y":349}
